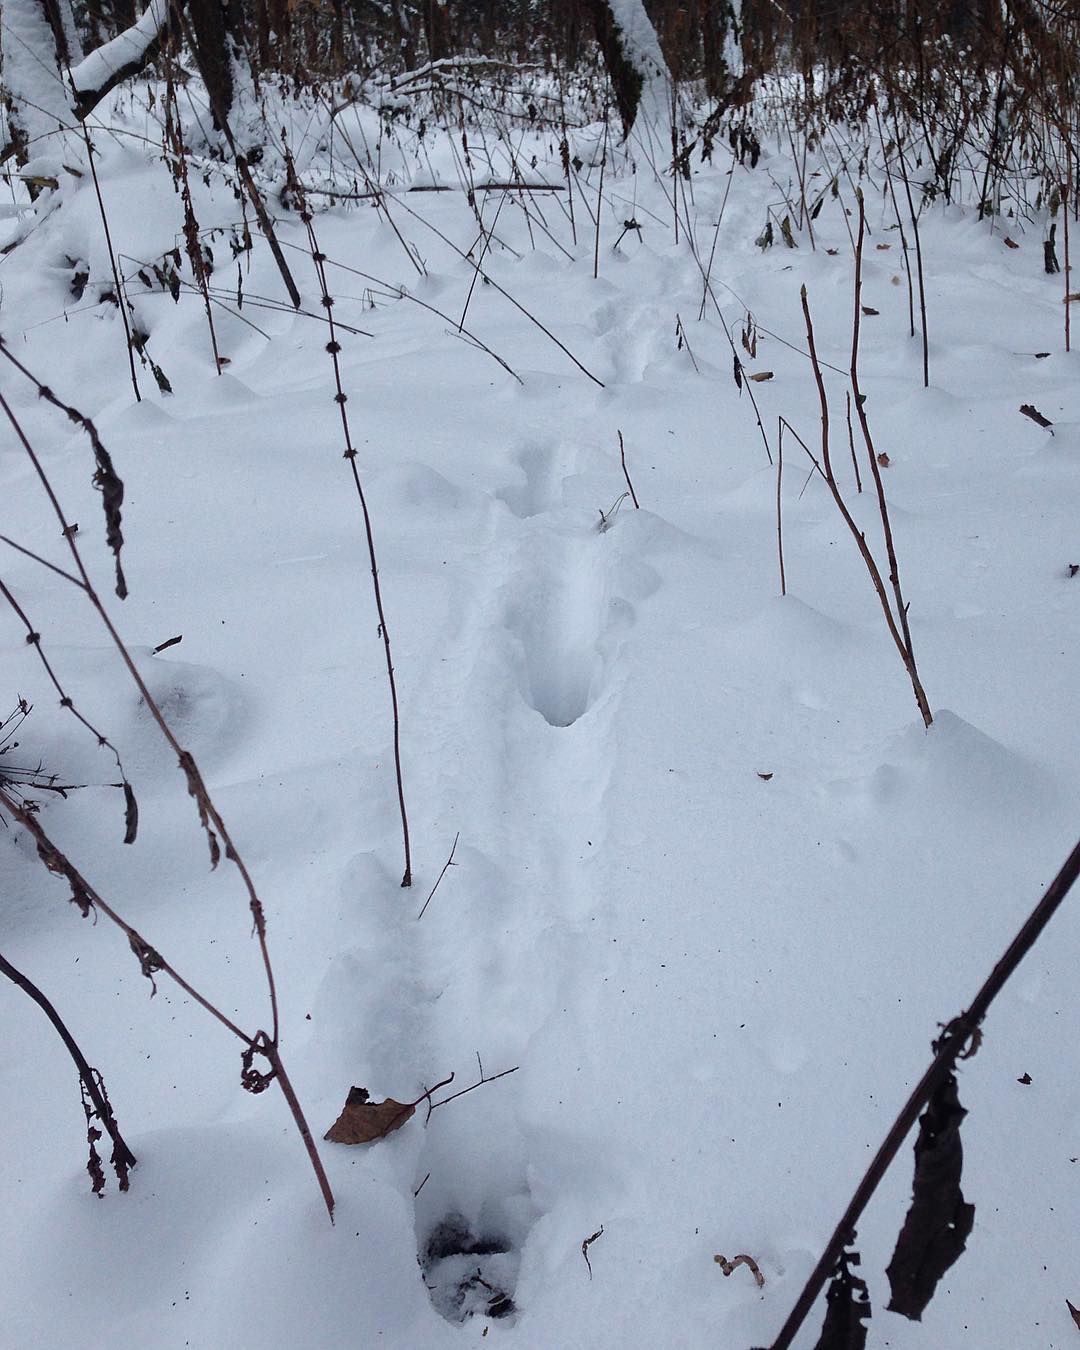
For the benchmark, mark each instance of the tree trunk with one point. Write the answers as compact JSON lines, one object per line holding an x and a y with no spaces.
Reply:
{"x":639,"y":76}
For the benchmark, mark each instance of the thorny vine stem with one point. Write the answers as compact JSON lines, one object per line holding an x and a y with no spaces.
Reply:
{"x":334,"y":348}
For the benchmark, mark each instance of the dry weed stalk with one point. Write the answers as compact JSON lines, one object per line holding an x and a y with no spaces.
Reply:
{"x":333,"y":347}
{"x":897,"y":626}
{"x":218,"y":836}
{"x":95,"y":1099}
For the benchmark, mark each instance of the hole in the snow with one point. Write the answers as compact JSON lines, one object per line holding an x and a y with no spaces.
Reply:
{"x":469,"y":1274}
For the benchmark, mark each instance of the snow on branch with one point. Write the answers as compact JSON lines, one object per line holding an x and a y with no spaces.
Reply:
{"x":123,"y":55}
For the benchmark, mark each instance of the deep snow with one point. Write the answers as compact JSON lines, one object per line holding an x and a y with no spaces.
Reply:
{"x":719,"y":987}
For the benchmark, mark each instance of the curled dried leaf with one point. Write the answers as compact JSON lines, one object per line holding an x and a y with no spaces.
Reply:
{"x":131,"y":814}
{"x":197,"y":790}
{"x":362,"y":1121}
{"x":253,"y":1079}
{"x":149,"y":960}
{"x":587,"y":1244}
{"x":741,"y":1260}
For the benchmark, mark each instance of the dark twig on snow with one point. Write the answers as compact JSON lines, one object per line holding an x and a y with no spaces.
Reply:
{"x":123,"y":1160}
{"x":449,"y":863}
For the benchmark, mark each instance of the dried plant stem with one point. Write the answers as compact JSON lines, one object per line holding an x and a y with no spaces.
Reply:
{"x":340,"y":398}
{"x":918,"y":257}
{"x":950,"y":1047}
{"x":122,"y":1157}
{"x":1066,"y":198}
{"x":152,"y":962}
{"x":779,"y":519}
{"x":851,"y":445}
{"x":626,"y":474}
{"x":875,"y":469}
{"x":33,"y":639}
{"x":121,"y":294}
{"x":209,"y":816}
{"x":600,"y":202}
{"x":900,"y":227}
{"x":438,"y":880}
{"x":824,"y":467}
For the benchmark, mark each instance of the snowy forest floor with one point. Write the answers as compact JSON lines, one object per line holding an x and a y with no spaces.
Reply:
{"x":715,"y":886}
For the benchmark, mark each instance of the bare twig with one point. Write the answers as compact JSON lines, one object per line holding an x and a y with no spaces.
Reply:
{"x":449,"y":863}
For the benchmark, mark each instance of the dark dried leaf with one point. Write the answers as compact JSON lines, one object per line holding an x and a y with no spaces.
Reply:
{"x":587,"y":1244}
{"x":131,"y":814}
{"x":55,"y":861}
{"x":111,"y":488}
{"x":160,"y":378}
{"x":202,"y":801}
{"x":939,"y":1221}
{"x":251,"y":1078}
{"x":761,"y":376}
{"x":847,"y":1307}
{"x":1036,"y":416}
{"x":363,"y":1121}
{"x":1075,"y":1313}
{"x":866,"y":309}
{"x":1025,"y":1080}
{"x":738,"y":374}
{"x":149,"y":960}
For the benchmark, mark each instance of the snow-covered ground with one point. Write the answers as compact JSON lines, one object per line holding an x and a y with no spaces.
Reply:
{"x":715,"y":886}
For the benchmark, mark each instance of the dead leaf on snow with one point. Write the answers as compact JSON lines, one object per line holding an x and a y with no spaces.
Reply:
{"x":741,"y":1260}
{"x":1075,"y":1313}
{"x":363,"y":1121}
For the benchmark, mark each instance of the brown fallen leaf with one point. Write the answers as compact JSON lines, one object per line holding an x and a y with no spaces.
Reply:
{"x":1075,"y":1313}
{"x":1025,"y":1080}
{"x":832,"y":252}
{"x":881,"y":248}
{"x":762,"y":375}
{"x":764,"y":777}
{"x":1073,"y":295}
{"x":884,"y":460}
{"x":895,"y":280}
{"x":363,"y":1121}
{"x":867,"y":310}
{"x":1010,"y":243}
